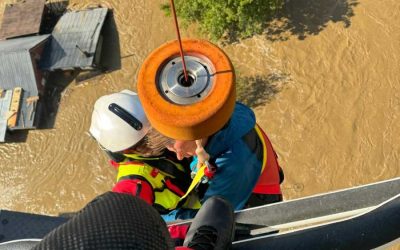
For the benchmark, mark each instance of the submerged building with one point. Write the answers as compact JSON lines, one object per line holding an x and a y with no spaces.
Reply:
{"x":76,"y":41}
{"x":21,"y":82}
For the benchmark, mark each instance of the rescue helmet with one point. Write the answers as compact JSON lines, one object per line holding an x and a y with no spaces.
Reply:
{"x":118,"y":121}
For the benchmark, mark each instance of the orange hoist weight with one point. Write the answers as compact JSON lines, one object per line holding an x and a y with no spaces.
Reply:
{"x":187,"y":109}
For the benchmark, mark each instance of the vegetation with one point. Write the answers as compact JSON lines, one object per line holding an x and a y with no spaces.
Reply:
{"x":229,"y":19}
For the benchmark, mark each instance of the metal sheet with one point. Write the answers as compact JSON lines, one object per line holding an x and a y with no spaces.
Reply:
{"x":367,"y":231}
{"x":74,"y":40}
{"x":321,"y":205}
{"x":21,"y":44}
{"x":5,"y":102}
{"x":16,"y":69}
{"x":19,"y":244}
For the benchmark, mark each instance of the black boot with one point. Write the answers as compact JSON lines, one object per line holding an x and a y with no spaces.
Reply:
{"x":213,"y":226}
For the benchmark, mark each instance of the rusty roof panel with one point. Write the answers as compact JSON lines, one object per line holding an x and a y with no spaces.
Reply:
{"x":23,"y":18}
{"x":74,"y":40}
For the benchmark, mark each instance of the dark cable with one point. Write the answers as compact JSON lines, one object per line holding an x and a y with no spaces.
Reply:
{"x":179,"y":40}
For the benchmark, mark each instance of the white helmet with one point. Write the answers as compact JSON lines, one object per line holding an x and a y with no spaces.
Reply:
{"x":119,"y":121}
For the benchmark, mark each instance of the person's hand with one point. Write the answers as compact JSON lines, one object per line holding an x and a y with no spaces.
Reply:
{"x":202,"y":155}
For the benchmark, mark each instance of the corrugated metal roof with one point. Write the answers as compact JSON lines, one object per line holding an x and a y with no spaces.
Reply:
{"x":74,"y":40}
{"x":22,"y":18}
{"x":16,"y":68}
{"x":20,"y":44}
{"x":16,"y":71}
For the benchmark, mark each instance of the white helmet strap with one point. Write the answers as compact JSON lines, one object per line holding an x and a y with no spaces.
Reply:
{"x":126,"y":116}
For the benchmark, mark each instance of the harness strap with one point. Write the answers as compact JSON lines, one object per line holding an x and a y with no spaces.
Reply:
{"x":269,"y":180}
{"x":174,"y":188}
{"x":264,"y":146}
{"x":167,"y":167}
{"x":196,"y":181}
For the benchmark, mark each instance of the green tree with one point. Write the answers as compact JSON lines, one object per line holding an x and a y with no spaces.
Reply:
{"x":229,"y":19}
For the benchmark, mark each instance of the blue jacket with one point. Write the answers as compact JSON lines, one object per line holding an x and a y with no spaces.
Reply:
{"x":238,"y":167}
{"x":241,"y":122}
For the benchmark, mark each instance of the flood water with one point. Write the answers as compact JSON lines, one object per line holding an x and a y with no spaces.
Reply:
{"x":324,"y":83}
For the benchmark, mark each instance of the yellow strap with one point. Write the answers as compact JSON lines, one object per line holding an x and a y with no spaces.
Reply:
{"x":200,"y":173}
{"x":261,"y":136}
{"x":196,"y":180}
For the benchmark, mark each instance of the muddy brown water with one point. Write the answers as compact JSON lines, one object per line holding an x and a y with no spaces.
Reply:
{"x":324,"y":84}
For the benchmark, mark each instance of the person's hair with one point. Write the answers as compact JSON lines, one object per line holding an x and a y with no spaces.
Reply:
{"x":153,"y":144}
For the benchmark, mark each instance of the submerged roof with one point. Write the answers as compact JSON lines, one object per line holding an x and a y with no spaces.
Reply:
{"x":74,"y":40}
{"x":22,"y":18}
{"x":16,"y":69}
{"x":21,"y":44}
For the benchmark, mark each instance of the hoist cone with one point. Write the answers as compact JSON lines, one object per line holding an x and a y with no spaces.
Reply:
{"x":182,"y":110}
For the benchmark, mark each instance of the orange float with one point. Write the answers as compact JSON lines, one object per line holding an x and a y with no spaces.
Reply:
{"x":193,"y":109}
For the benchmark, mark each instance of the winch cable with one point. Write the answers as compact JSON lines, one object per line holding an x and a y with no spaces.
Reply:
{"x":199,"y":175}
{"x":179,"y":40}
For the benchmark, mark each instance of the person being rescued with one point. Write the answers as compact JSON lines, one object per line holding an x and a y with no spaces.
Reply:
{"x":145,"y":168}
{"x":242,"y":165}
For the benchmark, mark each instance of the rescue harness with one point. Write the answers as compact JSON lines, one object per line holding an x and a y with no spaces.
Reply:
{"x":169,"y":180}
